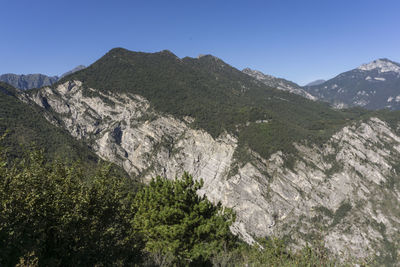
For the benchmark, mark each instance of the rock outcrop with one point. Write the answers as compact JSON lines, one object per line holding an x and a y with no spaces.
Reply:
{"x":346,"y":191}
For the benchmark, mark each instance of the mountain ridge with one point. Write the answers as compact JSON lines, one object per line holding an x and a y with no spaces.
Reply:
{"x":374,"y":85}
{"x":218,"y":96}
{"x":28,"y":81}
{"x":278,"y":83}
{"x":316,"y":82}
{"x":285,"y":164}
{"x":31,"y":81}
{"x":383,"y":64}
{"x":77,"y":68}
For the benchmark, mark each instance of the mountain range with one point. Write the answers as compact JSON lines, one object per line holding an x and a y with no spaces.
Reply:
{"x":30,"y":81}
{"x":288,"y":165}
{"x":375,"y":85}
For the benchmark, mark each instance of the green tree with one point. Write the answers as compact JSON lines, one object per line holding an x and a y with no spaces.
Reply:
{"x":178,"y":224}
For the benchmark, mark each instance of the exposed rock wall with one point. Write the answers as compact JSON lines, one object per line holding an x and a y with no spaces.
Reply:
{"x":347,"y":190}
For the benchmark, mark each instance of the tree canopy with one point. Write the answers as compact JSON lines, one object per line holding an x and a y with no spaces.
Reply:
{"x":174,"y":220}
{"x":55,"y":214}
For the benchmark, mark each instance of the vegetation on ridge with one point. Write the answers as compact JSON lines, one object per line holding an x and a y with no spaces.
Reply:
{"x":219,"y":97}
{"x":25,"y":124}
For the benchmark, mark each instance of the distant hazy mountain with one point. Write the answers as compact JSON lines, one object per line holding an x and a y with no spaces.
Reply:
{"x":78,"y":68}
{"x":29,"y":81}
{"x":316,"y":82}
{"x":375,"y":85}
{"x":278,"y":83}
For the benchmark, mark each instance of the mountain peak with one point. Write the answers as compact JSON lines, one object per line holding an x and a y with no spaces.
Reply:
{"x":316,"y":82}
{"x":77,"y":68}
{"x":382,"y":65}
{"x":205,"y":55}
{"x":167,"y":52}
{"x":374,"y":85}
{"x":117,"y":50}
{"x":209,"y":57}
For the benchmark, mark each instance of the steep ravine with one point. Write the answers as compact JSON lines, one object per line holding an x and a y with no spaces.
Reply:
{"x":347,"y":189}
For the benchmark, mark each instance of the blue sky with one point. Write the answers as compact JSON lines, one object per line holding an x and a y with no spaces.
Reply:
{"x":300,"y":40}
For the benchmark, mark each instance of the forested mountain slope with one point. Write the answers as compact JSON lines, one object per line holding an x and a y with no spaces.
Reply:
{"x":25,"y":124}
{"x":288,"y":166}
{"x":278,"y":83}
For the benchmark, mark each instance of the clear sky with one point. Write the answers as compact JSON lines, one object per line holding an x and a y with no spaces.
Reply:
{"x":300,"y":40}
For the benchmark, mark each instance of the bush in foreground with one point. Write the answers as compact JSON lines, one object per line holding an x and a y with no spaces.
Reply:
{"x":54,"y":214}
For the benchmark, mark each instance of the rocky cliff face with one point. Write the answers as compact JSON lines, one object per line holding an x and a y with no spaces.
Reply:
{"x":345,"y":191}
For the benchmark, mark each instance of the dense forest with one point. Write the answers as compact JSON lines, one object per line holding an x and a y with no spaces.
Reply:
{"x":56,"y":214}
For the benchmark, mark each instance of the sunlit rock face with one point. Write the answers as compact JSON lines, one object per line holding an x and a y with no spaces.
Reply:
{"x":345,"y":191}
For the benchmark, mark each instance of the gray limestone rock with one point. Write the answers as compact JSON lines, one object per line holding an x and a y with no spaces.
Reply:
{"x":346,"y":191}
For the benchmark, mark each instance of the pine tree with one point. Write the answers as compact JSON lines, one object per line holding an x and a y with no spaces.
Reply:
{"x":176,"y":222}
